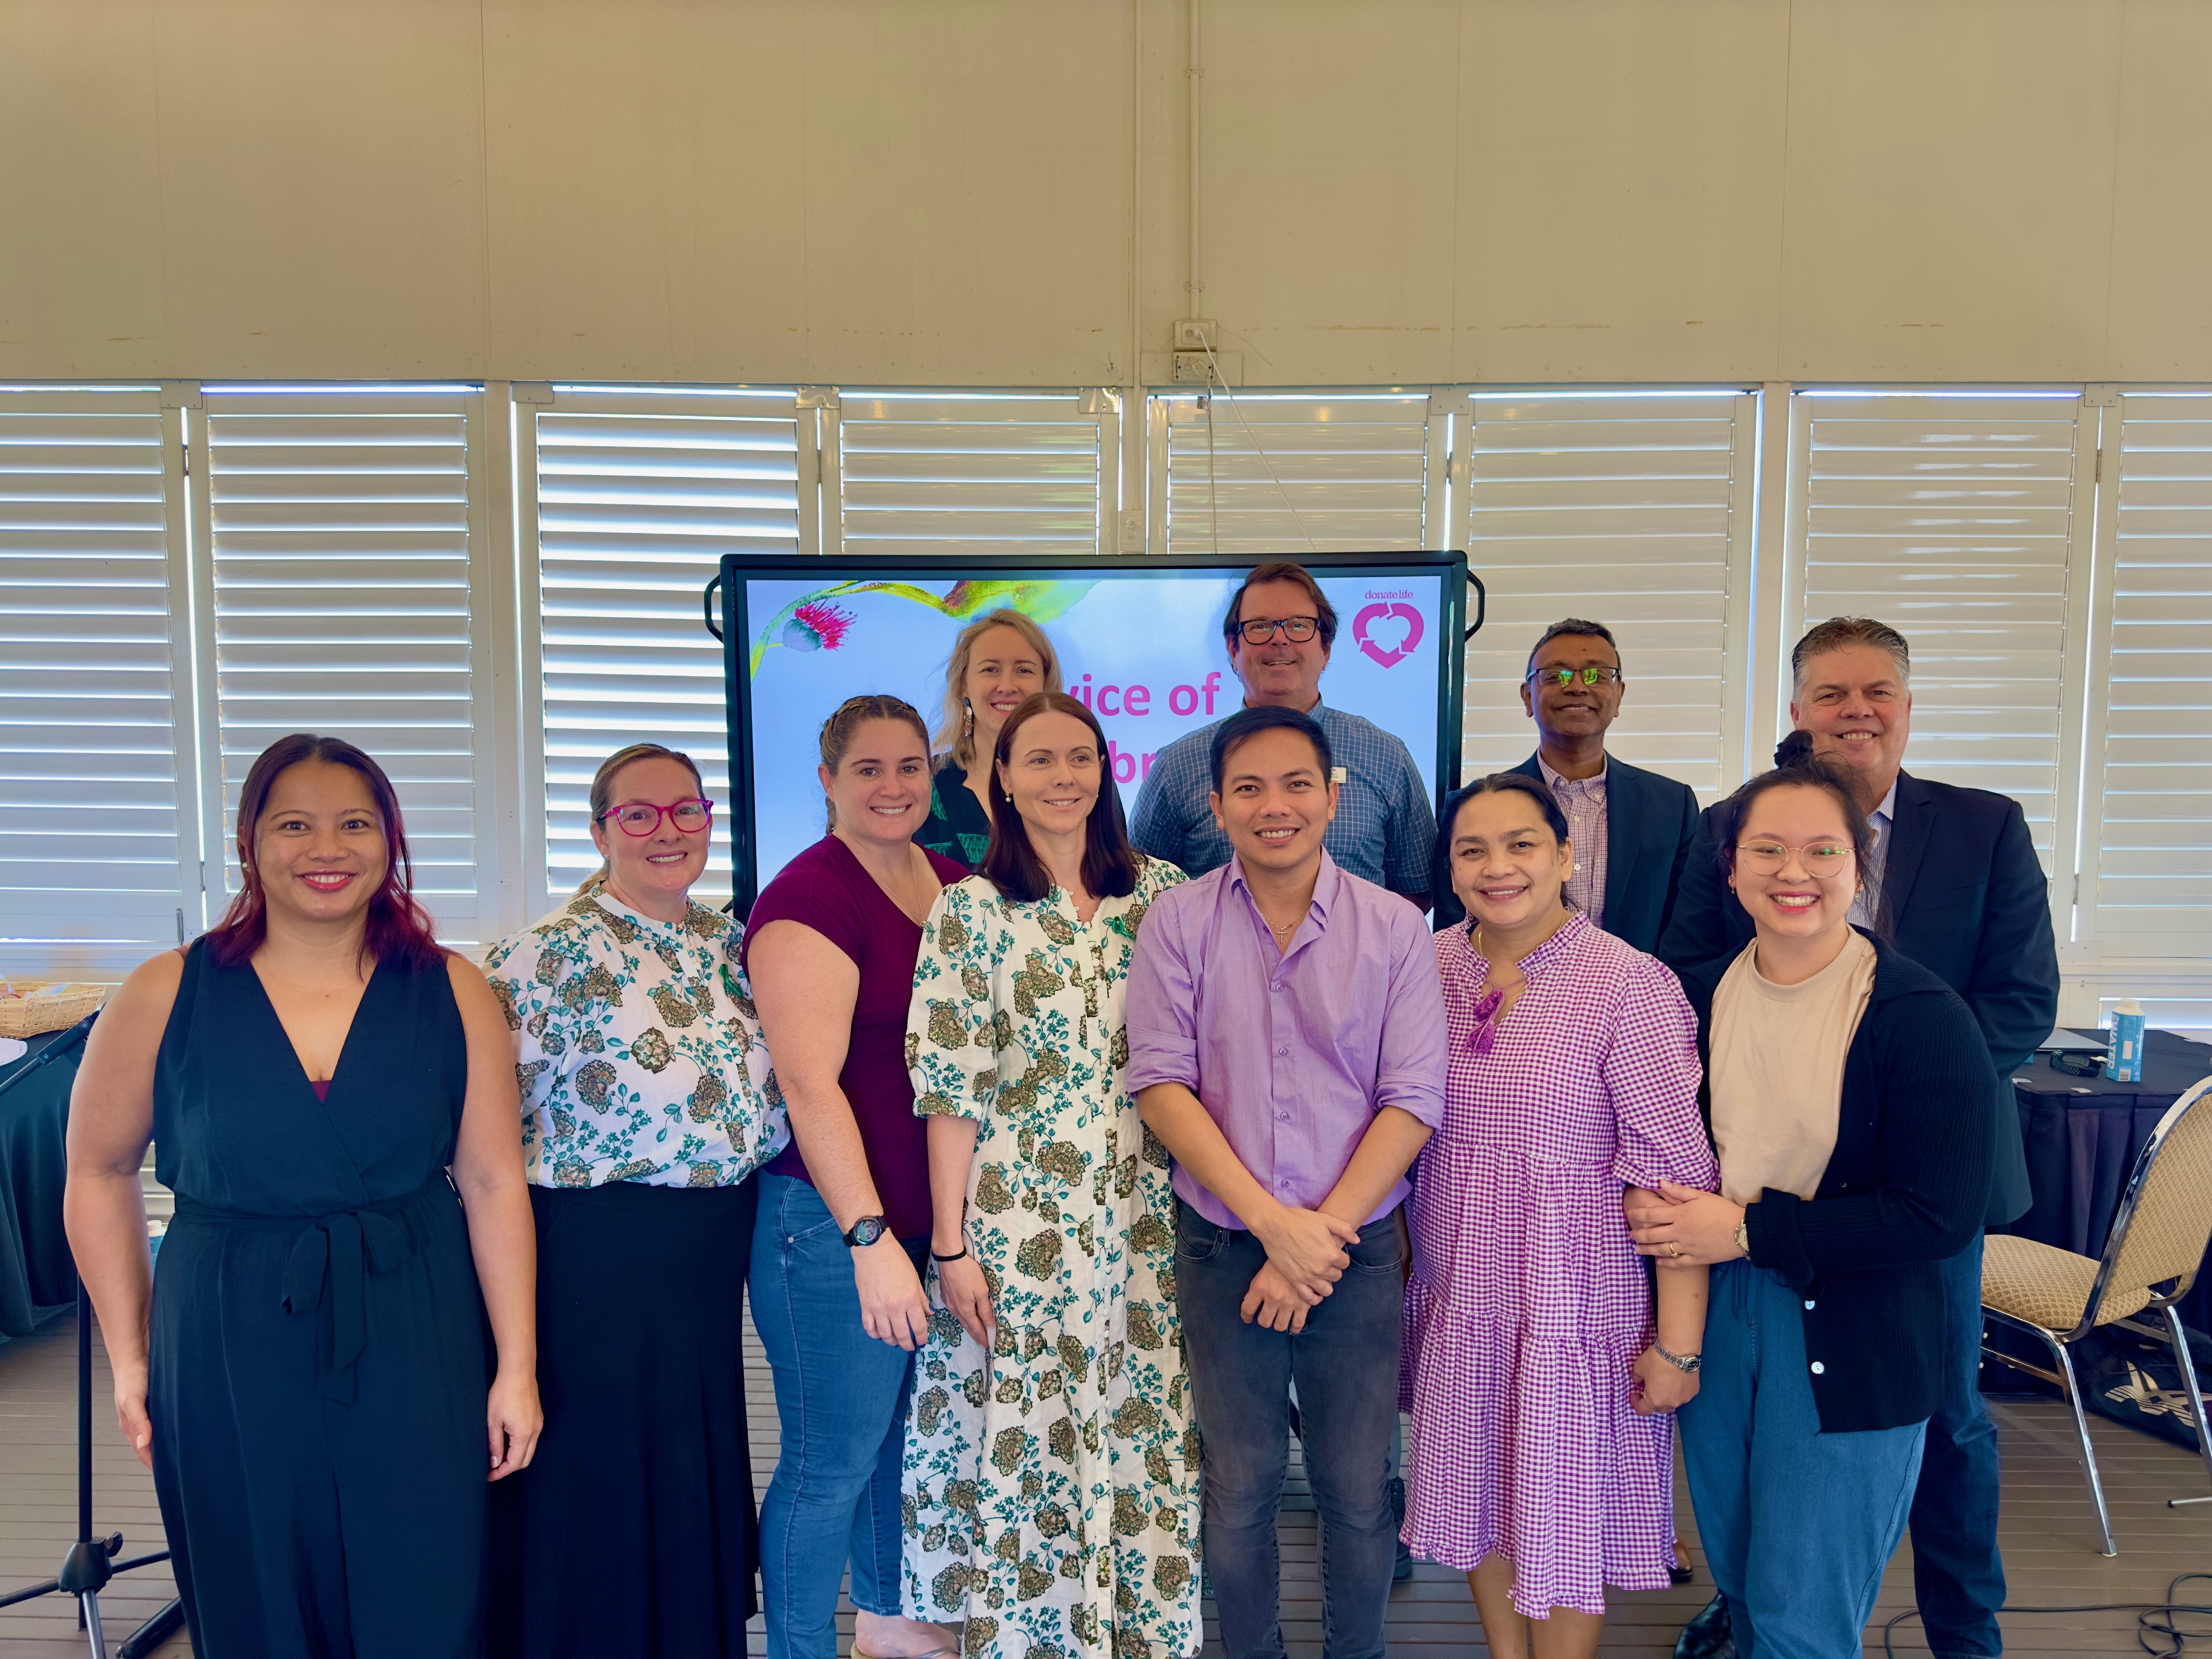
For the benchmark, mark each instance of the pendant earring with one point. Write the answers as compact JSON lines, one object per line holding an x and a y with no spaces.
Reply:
{"x":970,"y":718}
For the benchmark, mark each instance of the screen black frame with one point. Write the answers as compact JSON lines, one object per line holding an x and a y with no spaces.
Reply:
{"x":736,"y":631}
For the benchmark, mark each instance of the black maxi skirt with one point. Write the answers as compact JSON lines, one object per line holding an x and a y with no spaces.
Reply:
{"x":632,"y":1533}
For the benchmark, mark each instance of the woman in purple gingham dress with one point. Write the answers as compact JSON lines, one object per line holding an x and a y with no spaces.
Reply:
{"x":1528,"y":1310}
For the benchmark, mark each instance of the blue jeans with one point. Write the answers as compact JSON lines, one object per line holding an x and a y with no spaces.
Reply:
{"x":841,"y":1397}
{"x":1345,"y":1365}
{"x":1956,"y":1568}
{"x":1797,"y":1525}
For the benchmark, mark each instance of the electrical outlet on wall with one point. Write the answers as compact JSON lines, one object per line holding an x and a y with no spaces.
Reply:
{"x":1197,"y":334}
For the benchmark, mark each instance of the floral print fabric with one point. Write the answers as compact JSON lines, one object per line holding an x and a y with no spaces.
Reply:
{"x":637,"y":1048}
{"x":1051,"y":1484}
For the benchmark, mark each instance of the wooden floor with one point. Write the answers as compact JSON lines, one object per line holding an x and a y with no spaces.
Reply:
{"x":2046,"y":1532}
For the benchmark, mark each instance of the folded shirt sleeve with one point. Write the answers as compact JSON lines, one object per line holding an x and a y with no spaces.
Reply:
{"x":1161,"y":1005}
{"x":1409,"y":1070}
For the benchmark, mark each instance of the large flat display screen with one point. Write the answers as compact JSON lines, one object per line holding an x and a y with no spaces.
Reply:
{"x":1139,"y":641}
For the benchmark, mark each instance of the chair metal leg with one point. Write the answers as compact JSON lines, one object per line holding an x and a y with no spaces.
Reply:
{"x":2195,"y":1401}
{"x":2073,"y":1387}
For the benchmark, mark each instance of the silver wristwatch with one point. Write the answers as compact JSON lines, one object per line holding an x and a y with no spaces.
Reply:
{"x":1681,"y":1362}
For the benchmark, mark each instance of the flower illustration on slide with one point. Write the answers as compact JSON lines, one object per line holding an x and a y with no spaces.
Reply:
{"x":816,"y":625}
{"x":812,"y":623}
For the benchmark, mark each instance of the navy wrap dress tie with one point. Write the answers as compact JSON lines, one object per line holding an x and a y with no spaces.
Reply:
{"x":318,"y":1368}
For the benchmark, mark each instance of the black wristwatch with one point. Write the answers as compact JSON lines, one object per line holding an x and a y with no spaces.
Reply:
{"x":866,"y":1230}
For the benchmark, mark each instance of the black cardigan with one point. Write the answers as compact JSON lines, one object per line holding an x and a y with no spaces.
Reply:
{"x":1904,"y":1190}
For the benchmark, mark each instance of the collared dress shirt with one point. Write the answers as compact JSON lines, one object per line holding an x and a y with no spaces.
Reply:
{"x":1582,"y":799}
{"x":1293,"y":1052}
{"x":1877,"y":823}
{"x":1385,"y":828}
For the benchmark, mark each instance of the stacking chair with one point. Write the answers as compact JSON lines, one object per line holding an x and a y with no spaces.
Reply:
{"x":2158,"y":1239}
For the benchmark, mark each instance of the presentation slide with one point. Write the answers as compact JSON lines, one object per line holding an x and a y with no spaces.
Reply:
{"x":1142,"y":647}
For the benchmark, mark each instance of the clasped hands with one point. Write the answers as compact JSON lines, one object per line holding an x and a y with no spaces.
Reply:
{"x":1306,"y":1257}
{"x":1681,"y":1226}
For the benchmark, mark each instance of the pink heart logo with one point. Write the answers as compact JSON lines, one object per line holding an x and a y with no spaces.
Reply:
{"x":1388,"y":632}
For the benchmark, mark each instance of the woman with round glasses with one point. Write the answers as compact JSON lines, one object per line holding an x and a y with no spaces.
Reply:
{"x":1848,"y":1092}
{"x":647,"y":1107}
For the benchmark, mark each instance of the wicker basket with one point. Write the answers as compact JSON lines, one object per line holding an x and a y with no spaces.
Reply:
{"x":27,"y":1016}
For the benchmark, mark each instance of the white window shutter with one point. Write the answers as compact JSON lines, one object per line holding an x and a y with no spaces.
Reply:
{"x":1634,"y":512}
{"x":1280,"y":475}
{"x":2150,"y":884}
{"x":1951,"y":518}
{"x":93,"y":846}
{"x":338,"y":526}
{"x":638,"y":495}
{"x":924,"y":474}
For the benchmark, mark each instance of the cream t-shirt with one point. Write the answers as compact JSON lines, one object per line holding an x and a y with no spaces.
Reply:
{"x":1776,"y":1071}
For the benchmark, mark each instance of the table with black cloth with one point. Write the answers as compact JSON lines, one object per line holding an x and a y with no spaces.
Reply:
{"x":37,"y":1277}
{"x":2082,"y":1135}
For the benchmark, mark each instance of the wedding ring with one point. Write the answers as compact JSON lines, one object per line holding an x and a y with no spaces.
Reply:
{"x":1673,"y":1249}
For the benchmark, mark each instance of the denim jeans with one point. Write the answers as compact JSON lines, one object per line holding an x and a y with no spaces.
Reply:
{"x":1345,"y":1365}
{"x":1957,"y":1571}
{"x":841,"y":1397}
{"x":1797,"y":1525}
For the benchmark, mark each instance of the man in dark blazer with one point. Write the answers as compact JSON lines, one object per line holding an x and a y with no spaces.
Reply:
{"x":1630,"y":828}
{"x":1959,"y":877}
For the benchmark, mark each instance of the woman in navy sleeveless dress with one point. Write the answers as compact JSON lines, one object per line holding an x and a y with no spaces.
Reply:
{"x":315,"y":1382}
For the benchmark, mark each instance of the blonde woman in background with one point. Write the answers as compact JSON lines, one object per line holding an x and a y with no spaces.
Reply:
{"x":647,"y":1106}
{"x":999,"y":659}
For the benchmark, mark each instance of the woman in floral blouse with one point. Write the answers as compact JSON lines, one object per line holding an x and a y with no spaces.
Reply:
{"x":647,"y":1103}
{"x":1052,"y":1489}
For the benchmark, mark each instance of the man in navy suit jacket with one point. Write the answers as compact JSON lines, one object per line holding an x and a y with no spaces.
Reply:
{"x":1959,"y":877}
{"x":1630,"y":828}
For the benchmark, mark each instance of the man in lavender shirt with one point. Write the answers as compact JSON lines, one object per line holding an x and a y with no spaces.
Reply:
{"x":1286,"y":1043}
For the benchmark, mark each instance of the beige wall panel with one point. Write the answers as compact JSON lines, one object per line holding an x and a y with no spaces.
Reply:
{"x":1950,"y":189}
{"x":1325,"y":207}
{"x":1163,"y":250}
{"x":967,"y":191}
{"x":2161,"y":304}
{"x":648,"y":189}
{"x":80,"y":211}
{"x":322,"y":188}
{"x":1620,"y":183}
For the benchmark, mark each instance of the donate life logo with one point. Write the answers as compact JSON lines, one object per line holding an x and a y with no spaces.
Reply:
{"x":1387,"y":633}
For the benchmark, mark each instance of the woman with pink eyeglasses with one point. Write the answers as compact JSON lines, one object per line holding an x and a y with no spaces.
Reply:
{"x":647,"y":1107}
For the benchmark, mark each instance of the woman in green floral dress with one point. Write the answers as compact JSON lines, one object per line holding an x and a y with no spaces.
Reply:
{"x":1052,"y":1484}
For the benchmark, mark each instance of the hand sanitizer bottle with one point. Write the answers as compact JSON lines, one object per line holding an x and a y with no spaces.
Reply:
{"x":2124,"y":1063}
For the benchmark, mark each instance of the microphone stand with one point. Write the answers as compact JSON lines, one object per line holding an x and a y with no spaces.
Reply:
{"x":91,"y":1561}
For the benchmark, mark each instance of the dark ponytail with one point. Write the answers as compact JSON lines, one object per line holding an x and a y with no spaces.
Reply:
{"x":1794,"y":748}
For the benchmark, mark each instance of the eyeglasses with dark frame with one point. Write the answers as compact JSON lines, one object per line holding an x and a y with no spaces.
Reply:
{"x":1563,"y":677}
{"x":1297,"y":629}
{"x":641,"y":818}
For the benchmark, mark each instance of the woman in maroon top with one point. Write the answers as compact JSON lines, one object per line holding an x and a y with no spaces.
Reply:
{"x":844,"y":1211}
